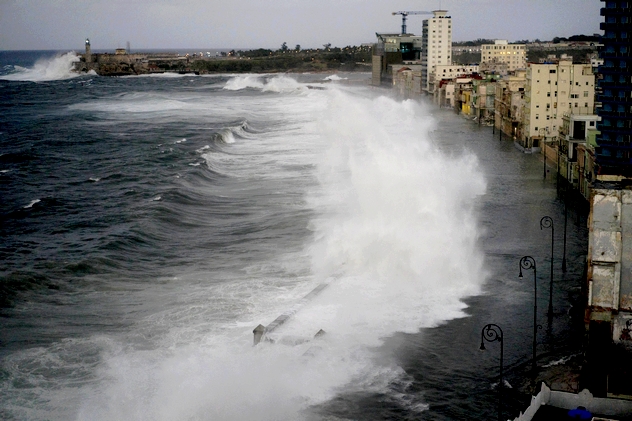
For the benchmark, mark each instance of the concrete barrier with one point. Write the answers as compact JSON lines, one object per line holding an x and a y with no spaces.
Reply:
{"x":261,"y":331}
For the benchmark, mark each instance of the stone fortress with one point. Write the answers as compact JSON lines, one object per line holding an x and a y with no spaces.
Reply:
{"x":122,"y":63}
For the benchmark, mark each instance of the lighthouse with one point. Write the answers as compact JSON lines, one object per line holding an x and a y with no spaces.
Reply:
{"x":88,"y":56}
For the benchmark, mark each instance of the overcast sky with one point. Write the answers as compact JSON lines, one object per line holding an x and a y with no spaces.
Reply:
{"x":241,"y":24}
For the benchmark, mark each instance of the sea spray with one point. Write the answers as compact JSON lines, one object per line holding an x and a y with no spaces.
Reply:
{"x":390,"y":219}
{"x":56,"y":68}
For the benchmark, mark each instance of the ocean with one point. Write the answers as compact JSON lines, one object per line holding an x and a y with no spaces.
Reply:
{"x":149,"y":224}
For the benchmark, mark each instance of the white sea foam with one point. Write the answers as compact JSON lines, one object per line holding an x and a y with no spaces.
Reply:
{"x":31,"y":203}
{"x":238,"y":83}
{"x":393,"y":223}
{"x":202,"y":149}
{"x":56,"y":68}
{"x":166,"y":75}
{"x":264,"y":83}
{"x":394,"y":219}
{"x":335,"y":77}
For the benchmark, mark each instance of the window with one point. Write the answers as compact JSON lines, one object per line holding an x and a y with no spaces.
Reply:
{"x":585,"y":94}
{"x":576,"y":104}
{"x":552,"y":71}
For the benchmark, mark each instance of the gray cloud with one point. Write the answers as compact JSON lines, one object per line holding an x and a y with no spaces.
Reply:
{"x":63,"y":24}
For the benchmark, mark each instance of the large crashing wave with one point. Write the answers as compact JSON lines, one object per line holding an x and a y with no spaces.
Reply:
{"x":279,"y":84}
{"x":56,"y":68}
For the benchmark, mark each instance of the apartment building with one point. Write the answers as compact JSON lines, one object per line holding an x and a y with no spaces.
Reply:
{"x":614,"y":153}
{"x":551,"y":90}
{"x":393,"y":49}
{"x":436,"y":45}
{"x":510,"y":104}
{"x":503,"y":57}
{"x":447,"y":72}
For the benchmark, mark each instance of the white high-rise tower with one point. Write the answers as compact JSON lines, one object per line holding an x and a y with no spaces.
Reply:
{"x":436,"y":45}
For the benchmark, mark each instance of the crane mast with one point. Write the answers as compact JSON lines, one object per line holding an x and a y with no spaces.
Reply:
{"x":405,"y":16}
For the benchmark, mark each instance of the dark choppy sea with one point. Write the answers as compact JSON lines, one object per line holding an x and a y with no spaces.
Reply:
{"x":148,"y":224}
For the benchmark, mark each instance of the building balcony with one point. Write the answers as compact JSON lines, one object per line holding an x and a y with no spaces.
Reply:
{"x":614,"y":85}
{"x":613,"y":26}
{"x":613,"y":130}
{"x":610,"y":113}
{"x":616,"y":55}
{"x":612,"y":70}
{"x":605,"y":42}
{"x":614,"y":100}
{"x":614,"y":11}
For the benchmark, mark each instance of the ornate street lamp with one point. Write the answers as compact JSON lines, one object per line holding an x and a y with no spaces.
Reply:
{"x":528,"y":262}
{"x":543,"y":143}
{"x":565,"y":223}
{"x":547,"y":222}
{"x":493,"y":333}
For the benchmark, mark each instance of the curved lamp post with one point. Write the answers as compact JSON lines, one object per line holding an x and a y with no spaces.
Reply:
{"x":565,"y":220}
{"x":528,"y":262}
{"x":547,"y":222}
{"x":543,"y":143}
{"x":493,"y":333}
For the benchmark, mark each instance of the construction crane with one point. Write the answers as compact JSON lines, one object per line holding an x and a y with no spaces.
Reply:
{"x":405,"y":15}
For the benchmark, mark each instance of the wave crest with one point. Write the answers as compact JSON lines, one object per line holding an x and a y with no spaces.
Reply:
{"x":56,"y":68}
{"x":280,"y":84}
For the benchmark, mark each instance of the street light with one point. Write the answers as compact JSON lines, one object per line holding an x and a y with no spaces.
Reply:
{"x":565,"y":223}
{"x":528,"y":262}
{"x":547,"y":222}
{"x":493,"y":333}
{"x":542,"y":139}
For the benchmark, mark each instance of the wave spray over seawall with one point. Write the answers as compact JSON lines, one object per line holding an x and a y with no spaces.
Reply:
{"x":44,"y":70}
{"x":391,"y":226}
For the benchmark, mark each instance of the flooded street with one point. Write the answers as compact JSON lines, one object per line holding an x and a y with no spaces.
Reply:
{"x":517,"y":198}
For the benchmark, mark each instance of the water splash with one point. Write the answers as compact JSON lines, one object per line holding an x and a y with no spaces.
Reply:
{"x":56,"y":68}
{"x":264,"y":83}
{"x":392,"y":219}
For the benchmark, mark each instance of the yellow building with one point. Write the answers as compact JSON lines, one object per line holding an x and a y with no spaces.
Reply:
{"x":503,"y":57}
{"x":553,"y":89}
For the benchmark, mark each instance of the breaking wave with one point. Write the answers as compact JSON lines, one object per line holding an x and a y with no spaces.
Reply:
{"x":56,"y":68}
{"x":264,"y":83}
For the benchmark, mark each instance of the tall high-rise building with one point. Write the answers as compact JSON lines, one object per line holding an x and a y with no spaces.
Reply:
{"x":436,"y":45}
{"x":613,"y":156}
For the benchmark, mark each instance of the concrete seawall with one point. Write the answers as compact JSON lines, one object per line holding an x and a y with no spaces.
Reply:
{"x":261,"y":331}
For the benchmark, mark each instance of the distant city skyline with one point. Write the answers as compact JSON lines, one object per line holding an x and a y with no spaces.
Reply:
{"x":249,"y":24}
